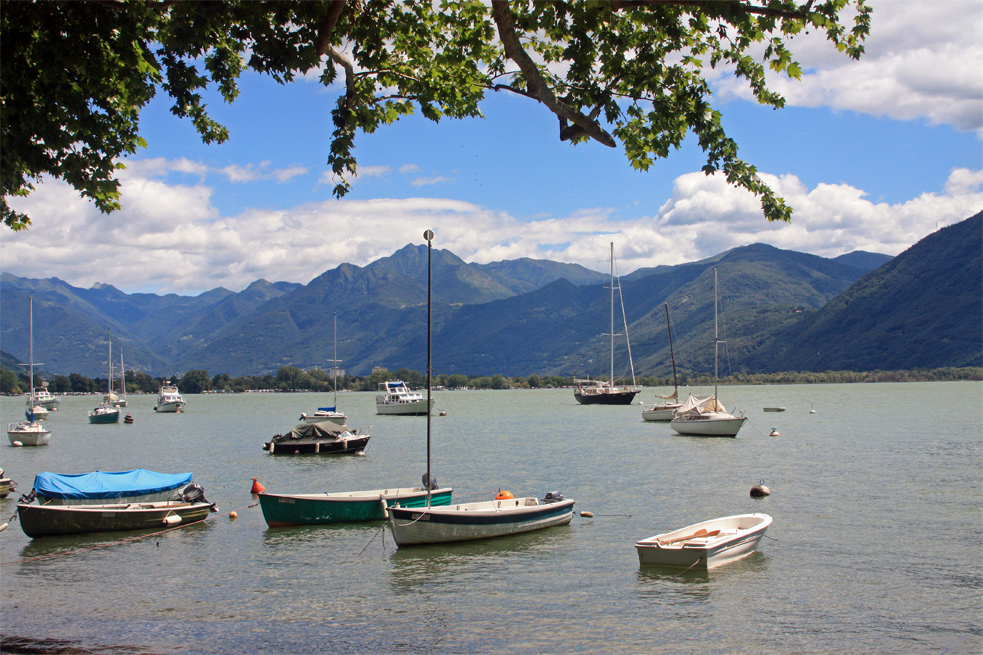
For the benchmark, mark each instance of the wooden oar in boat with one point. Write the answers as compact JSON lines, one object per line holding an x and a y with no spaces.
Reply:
{"x":699,"y":533}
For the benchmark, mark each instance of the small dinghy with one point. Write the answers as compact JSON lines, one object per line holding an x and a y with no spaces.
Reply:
{"x":705,"y":545}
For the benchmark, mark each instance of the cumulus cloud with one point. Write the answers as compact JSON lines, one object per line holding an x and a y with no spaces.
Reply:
{"x":898,"y":76}
{"x":170,"y":238}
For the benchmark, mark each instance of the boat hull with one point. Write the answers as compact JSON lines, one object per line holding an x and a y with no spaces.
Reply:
{"x":404,"y":408}
{"x":607,"y":398}
{"x":282,"y":510}
{"x":33,"y":434}
{"x":102,"y":417}
{"x":50,"y":520}
{"x":5,"y":486}
{"x":708,"y":425}
{"x":738,"y":537}
{"x":169,"y":407}
{"x":472,"y":521}
{"x":314,"y":446}
{"x":660,"y":412}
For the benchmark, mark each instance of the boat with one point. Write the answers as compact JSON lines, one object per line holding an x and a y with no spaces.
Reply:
{"x":61,"y":504}
{"x":317,"y":439}
{"x":396,"y":398}
{"x":665,"y":411}
{"x":30,"y":432}
{"x":169,"y":399}
{"x":106,"y":412}
{"x":281,"y":510}
{"x":97,"y":487}
{"x":598,"y":392}
{"x":705,"y":545}
{"x":6,"y":485}
{"x":711,"y":418}
{"x":330,"y":415}
{"x":505,"y":515}
{"x":112,"y":398}
{"x":774,"y":409}
{"x":44,"y":397}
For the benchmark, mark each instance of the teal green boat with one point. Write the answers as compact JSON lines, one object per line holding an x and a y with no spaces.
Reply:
{"x":281,"y":510}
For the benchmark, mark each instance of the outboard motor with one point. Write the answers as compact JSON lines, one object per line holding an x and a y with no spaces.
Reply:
{"x":429,"y":481}
{"x":28,"y":498}
{"x":193,"y":493}
{"x":553,"y":497}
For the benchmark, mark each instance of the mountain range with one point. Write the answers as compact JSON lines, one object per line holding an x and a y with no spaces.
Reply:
{"x":779,"y":310}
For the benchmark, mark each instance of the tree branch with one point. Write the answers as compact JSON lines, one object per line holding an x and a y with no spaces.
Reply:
{"x":618,"y":5}
{"x":538,"y":87}
{"x":324,"y":47}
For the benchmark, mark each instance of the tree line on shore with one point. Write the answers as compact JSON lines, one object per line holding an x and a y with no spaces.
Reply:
{"x":291,"y":378}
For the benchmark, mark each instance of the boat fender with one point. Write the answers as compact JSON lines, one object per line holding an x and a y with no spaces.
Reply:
{"x":587,"y":515}
{"x":172,"y":519}
{"x":553,"y":497}
{"x":385,"y":508}
{"x":504,"y":495}
{"x":16,"y":444}
{"x":760,"y":490}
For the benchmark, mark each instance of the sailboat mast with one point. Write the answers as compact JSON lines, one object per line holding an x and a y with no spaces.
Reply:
{"x":109,"y":376}
{"x":716,"y":341}
{"x":428,"y":235}
{"x":31,"y":349}
{"x":612,"y":315}
{"x":672,"y":354}
{"x":334,"y":361}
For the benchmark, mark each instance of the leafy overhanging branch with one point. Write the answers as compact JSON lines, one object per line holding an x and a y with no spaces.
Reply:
{"x":632,"y":72}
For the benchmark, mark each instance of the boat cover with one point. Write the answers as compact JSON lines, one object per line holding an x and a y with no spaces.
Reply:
{"x":311,"y":431}
{"x":700,"y":404}
{"x":100,"y":484}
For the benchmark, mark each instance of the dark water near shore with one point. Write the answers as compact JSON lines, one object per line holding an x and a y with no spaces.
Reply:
{"x":876,"y":546}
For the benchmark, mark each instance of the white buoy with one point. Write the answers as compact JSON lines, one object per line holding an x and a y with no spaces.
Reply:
{"x":587,"y":515}
{"x":16,"y":444}
{"x":774,"y":433}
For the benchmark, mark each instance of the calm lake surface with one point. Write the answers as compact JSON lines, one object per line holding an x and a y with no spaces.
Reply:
{"x":876,"y":546}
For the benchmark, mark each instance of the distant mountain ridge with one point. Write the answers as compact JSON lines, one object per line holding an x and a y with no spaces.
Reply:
{"x":514,"y":317}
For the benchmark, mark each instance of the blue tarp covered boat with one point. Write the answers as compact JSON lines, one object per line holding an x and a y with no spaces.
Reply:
{"x":102,"y":486}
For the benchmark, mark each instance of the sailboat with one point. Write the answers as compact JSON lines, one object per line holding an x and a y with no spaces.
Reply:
{"x":667,"y":410}
{"x":30,"y":432}
{"x":106,"y":412}
{"x":598,"y":392}
{"x":502,"y":516}
{"x":119,"y":400}
{"x":329,"y":415}
{"x":710,"y":418}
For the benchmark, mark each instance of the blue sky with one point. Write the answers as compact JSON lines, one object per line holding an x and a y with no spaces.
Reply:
{"x":872,"y":155}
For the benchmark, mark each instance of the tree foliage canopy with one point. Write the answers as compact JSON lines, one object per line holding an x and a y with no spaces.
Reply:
{"x":631,"y":72}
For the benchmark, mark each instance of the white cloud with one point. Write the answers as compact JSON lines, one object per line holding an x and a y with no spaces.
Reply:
{"x":169,"y":238}
{"x":429,"y":181}
{"x":898,"y":76}
{"x":287,"y":174}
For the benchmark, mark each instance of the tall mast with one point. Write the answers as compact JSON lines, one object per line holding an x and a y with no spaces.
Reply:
{"x":428,"y":235}
{"x":716,"y":341}
{"x":334,"y":361}
{"x":672,"y":354}
{"x":109,"y":377}
{"x":612,"y":315}
{"x":31,"y":350}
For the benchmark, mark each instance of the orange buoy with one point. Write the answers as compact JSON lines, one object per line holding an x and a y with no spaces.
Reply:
{"x":504,"y":495}
{"x":257,"y":487}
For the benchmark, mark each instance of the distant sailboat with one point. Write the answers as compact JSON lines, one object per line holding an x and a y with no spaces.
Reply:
{"x":598,"y":392}
{"x":30,"y":432}
{"x":106,"y":412}
{"x":667,"y":410}
{"x":709,"y":419}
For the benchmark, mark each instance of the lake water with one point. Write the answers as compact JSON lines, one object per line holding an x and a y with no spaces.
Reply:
{"x":876,"y":546}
